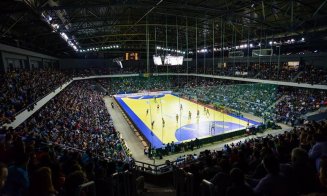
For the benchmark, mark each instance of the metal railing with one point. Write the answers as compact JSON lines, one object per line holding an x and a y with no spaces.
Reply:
{"x":159,"y":169}
{"x":39,"y":98}
{"x":206,"y":188}
{"x":90,"y":186}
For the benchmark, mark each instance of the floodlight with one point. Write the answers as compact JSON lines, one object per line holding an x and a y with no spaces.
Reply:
{"x":64,"y":36}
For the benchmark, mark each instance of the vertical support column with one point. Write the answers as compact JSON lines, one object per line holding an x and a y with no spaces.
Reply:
{"x":186,"y":50}
{"x":222,"y":42}
{"x":196,"y":50}
{"x":147,"y":47}
{"x":248,"y":55}
{"x":178,"y":81}
{"x":29,"y":63}
{"x":278,"y":60}
{"x":213,"y":47}
{"x":2,"y":65}
{"x":21,"y":64}
{"x":205,"y":49}
{"x":292,"y":13}
{"x":3,"y":62}
{"x":42,"y":63}
{"x":166,"y":46}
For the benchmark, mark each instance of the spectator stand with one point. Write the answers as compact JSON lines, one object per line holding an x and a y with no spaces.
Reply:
{"x":25,"y":113}
{"x":25,"y":90}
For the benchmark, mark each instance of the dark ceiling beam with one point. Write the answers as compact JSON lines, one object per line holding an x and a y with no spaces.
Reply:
{"x":171,"y":26}
{"x":184,"y":7}
{"x":130,"y":43}
{"x":292,"y":13}
{"x":161,"y":37}
{"x":81,"y":18}
{"x":292,"y":17}
{"x":170,"y":42}
{"x":173,"y":10}
{"x":138,"y":25}
{"x":6,"y":12}
{"x":205,"y":11}
{"x":110,"y":35}
{"x":319,"y":8}
{"x":306,"y":4}
{"x":295,"y":33}
{"x":187,"y":8}
{"x":274,"y":12}
{"x":312,"y":20}
{"x":98,"y":5}
{"x":263,"y":10}
{"x":32,"y":10}
{"x":145,"y":15}
{"x":13,"y":24}
{"x":124,"y":17}
{"x":226,"y":14}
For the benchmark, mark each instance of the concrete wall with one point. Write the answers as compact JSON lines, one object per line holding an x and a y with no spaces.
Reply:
{"x":85,"y":63}
{"x":13,"y":57}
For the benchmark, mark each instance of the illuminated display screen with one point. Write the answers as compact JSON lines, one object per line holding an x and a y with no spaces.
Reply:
{"x":157,"y":60}
{"x":134,"y":56}
{"x":173,"y":60}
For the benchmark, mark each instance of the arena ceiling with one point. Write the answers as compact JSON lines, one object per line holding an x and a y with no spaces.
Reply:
{"x":132,"y":24}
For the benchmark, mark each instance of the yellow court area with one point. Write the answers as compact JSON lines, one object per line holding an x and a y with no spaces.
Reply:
{"x":192,"y":126}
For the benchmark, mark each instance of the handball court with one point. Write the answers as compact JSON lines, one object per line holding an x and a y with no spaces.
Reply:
{"x":163,"y":117}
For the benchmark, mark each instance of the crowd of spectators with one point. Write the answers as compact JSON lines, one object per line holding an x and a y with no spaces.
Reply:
{"x":250,"y":98}
{"x":77,"y":118}
{"x":239,"y":70}
{"x":254,"y":98}
{"x":57,"y":148}
{"x":66,"y":142}
{"x":260,"y":70}
{"x":265,"y":71}
{"x":20,"y":88}
{"x":296,"y":103}
{"x":258,"y":99}
{"x":135,"y":84}
{"x":312,"y":75}
{"x":273,"y":72}
{"x":28,"y":167}
{"x":292,"y":163}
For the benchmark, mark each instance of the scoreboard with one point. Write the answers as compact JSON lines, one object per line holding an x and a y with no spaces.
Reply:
{"x":133,"y":56}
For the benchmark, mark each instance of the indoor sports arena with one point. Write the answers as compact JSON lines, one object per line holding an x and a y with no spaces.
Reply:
{"x":163,"y":97}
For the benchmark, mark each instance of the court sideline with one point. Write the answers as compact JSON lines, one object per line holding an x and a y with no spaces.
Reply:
{"x":133,"y":143}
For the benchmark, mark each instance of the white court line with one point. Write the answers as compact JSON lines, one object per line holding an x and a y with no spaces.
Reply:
{"x":222,"y":126}
{"x":192,"y":129}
